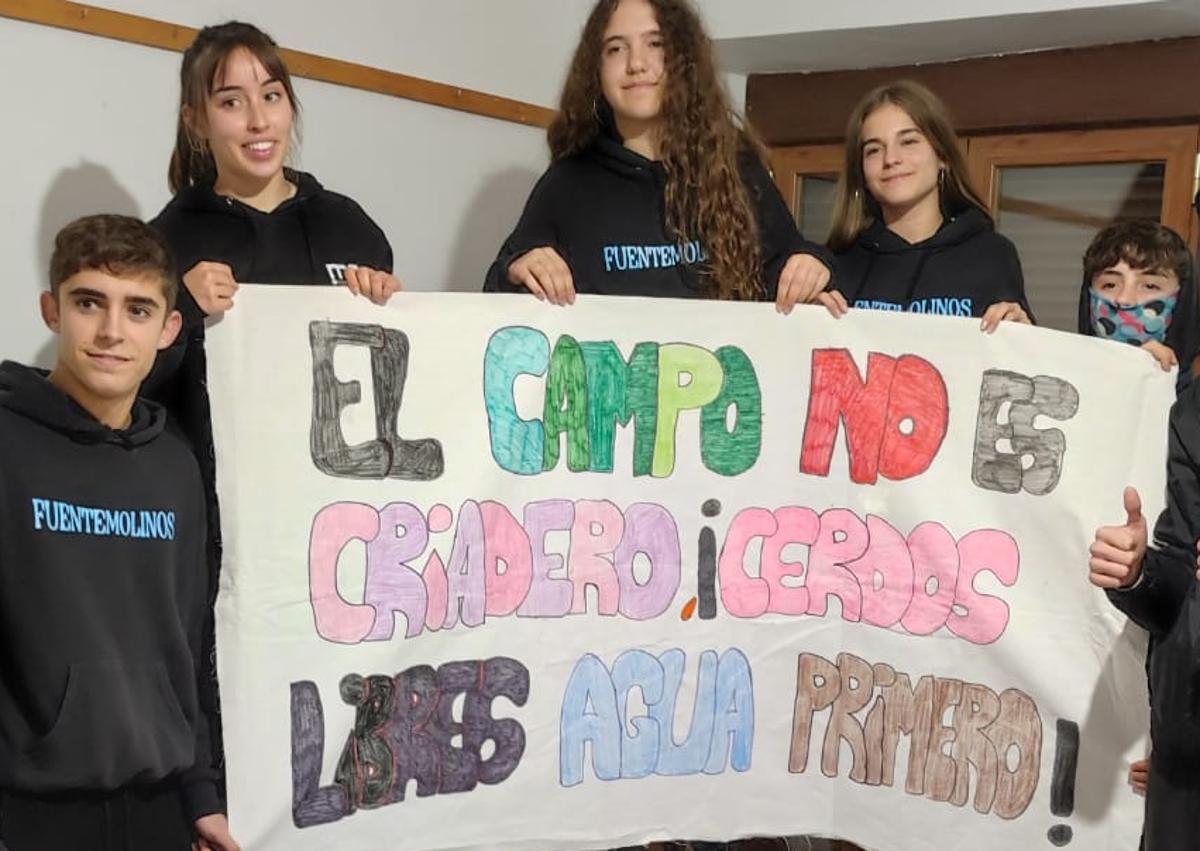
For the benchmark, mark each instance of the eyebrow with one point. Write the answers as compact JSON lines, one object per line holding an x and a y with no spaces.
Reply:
{"x":224,"y":89}
{"x":87,"y":292}
{"x":647,"y":33}
{"x":903,"y":132}
{"x":1156,"y":272}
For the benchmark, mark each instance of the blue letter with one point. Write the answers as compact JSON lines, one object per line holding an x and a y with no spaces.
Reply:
{"x":589,"y":714}
{"x":639,"y":750}
{"x":516,"y":443}
{"x":735,"y":700}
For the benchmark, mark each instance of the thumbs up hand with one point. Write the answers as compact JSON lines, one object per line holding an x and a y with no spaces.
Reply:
{"x":1118,"y":551}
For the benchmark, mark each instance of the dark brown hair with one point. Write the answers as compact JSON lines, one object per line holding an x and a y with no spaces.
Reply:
{"x":1142,"y":243}
{"x":855,"y":209}
{"x":121,"y":246}
{"x":700,"y":144}
{"x":203,"y":64}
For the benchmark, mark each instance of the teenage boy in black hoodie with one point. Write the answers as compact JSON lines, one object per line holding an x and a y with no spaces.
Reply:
{"x":102,"y":579}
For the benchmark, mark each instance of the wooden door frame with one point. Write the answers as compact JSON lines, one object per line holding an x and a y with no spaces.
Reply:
{"x":790,"y":164}
{"x":1176,"y":146}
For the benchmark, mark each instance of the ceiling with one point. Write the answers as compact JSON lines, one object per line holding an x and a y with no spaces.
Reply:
{"x":1032,"y":26}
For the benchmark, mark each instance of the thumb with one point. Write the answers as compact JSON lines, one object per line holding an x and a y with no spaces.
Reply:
{"x":1133,"y":507}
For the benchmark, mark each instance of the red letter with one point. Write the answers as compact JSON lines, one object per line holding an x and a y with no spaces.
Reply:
{"x":837,"y":394}
{"x":918,"y":397}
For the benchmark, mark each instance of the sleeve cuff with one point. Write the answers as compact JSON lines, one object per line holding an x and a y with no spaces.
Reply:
{"x":200,"y":799}
{"x":1137,"y":583}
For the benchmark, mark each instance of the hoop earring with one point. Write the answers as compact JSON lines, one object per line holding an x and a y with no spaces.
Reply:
{"x":941,"y":178}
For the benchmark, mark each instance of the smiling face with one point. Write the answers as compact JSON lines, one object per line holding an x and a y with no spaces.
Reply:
{"x":247,"y":123}
{"x":633,"y":66}
{"x":109,"y":331}
{"x":899,"y":164}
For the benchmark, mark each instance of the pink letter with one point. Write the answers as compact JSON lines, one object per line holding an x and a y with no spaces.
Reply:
{"x":505,"y":541}
{"x":796,"y":526}
{"x":744,"y":596}
{"x":935,"y":558}
{"x":595,"y":534}
{"x":843,"y":538}
{"x":335,"y":526}
{"x":885,"y":574}
{"x":986,"y":616}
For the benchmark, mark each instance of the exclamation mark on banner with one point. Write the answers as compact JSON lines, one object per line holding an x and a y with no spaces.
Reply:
{"x":1062,"y":781}
{"x":706,"y":574}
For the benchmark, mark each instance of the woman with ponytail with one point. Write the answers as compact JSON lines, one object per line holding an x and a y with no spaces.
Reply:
{"x":239,"y":214}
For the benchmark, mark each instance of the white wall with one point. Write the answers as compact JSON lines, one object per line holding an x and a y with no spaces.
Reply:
{"x":90,"y":125}
{"x":516,"y":48}
{"x":90,"y":122}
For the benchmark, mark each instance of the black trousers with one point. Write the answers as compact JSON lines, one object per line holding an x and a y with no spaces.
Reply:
{"x":136,"y":818}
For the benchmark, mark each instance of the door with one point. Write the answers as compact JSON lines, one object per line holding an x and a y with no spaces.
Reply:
{"x":807,"y":176}
{"x":1051,"y":192}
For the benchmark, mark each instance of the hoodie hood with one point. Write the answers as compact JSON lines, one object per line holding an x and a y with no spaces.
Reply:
{"x":879,"y":240}
{"x":608,"y":149}
{"x":961,"y":270}
{"x":1183,"y":337}
{"x":28,"y":392}
{"x":195,"y":199}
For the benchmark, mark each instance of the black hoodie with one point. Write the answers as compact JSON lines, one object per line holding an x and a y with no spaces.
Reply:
{"x":603,"y":211}
{"x":1181,"y":336}
{"x":308,"y":239}
{"x":1166,"y":602}
{"x":102,"y":599}
{"x":961,"y":270}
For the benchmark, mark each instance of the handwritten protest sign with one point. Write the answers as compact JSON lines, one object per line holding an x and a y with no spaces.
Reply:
{"x":508,"y":575}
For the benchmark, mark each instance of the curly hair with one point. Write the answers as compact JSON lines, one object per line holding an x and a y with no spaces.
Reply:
{"x":700,"y":143}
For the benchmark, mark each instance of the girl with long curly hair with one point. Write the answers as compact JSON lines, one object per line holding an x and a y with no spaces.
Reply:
{"x":909,"y":230}
{"x":655,"y":189}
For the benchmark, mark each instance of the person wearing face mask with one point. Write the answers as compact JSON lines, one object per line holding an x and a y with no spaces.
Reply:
{"x":655,"y":188}
{"x":1138,"y":288}
{"x":910,"y":233}
{"x":239,"y":214}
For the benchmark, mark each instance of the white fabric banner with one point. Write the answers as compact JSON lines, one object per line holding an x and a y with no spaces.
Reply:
{"x":500,"y":574}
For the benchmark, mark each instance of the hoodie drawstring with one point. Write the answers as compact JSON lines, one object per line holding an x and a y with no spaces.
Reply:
{"x":852,"y":295}
{"x":915,"y":278}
